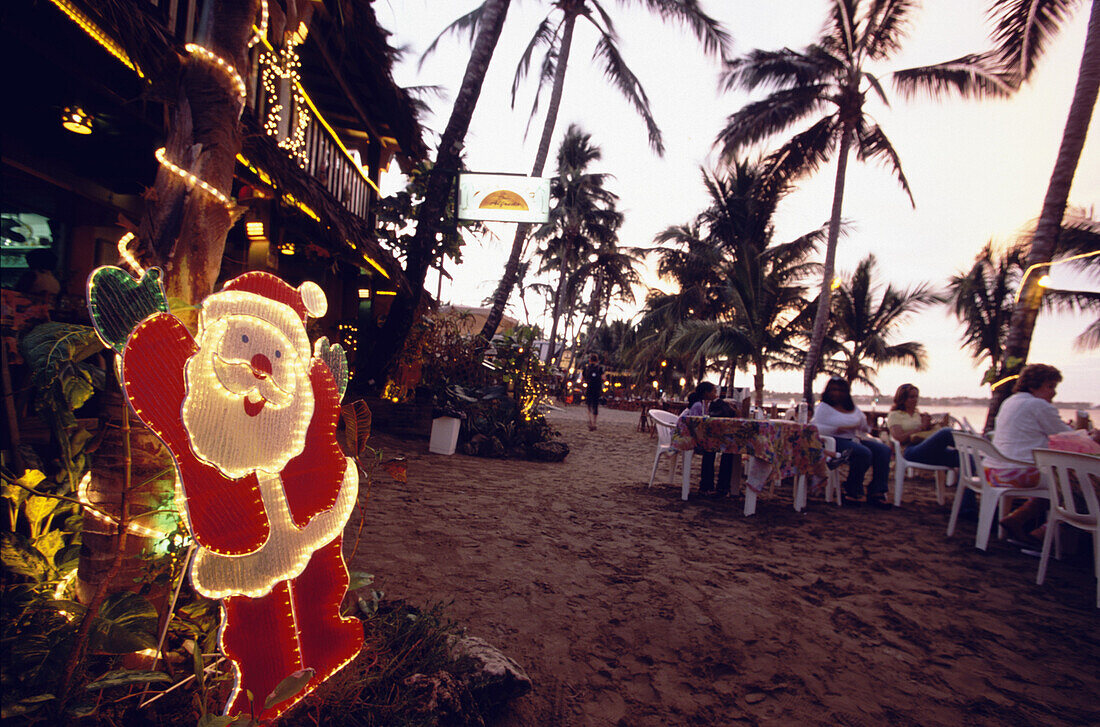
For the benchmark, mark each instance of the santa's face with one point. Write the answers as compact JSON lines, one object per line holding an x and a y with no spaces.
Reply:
{"x":249,"y":399}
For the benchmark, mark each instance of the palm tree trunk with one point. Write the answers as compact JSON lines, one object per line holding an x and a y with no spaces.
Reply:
{"x":559,"y":294}
{"x":1045,"y":241}
{"x":430,"y":216}
{"x":186,"y":228}
{"x":821,"y":318}
{"x":508,"y":279}
{"x":758,"y":379}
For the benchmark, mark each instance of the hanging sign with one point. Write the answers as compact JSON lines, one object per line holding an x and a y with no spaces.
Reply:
{"x":249,"y":411}
{"x":503,"y":198}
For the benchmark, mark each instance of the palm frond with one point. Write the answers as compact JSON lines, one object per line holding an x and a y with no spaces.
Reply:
{"x":779,"y":69}
{"x":763,"y":119}
{"x":707,"y":30}
{"x":871,"y":143}
{"x":805,"y":152}
{"x":544,"y":35}
{"x":468,"y":24}
{"x":1023,"y":29}
{"x":888,"y":22}
{"x":619,"y":74}
{"x":975,"y":74}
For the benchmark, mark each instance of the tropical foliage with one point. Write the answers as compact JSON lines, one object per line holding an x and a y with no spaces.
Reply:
{"x":583,"y":218}
{"x":554,"y":36}
{"x":828,"y":84}
{"x":749,"y":292}
{"x":867,"y":316}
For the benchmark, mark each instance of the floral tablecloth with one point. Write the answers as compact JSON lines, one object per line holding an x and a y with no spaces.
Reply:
{"x":777,"y":448}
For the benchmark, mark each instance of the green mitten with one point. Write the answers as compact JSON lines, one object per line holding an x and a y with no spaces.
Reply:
{"x":117,"y":302}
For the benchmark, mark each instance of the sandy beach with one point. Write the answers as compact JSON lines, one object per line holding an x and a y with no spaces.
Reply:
{"x":627,"y":606}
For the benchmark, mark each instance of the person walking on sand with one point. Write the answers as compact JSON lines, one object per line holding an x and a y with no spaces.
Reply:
{"x":593,"y":379}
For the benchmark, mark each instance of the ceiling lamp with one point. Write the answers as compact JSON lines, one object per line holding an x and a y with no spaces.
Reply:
{"x":77,"y":121}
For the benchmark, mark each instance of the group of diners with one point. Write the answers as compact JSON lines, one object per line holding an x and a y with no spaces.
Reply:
{"x":1027,"y":420}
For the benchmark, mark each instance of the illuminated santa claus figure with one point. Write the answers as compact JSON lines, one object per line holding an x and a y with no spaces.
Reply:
{"x":249,"y":412}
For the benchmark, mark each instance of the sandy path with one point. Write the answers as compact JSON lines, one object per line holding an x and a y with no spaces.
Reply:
{"x":628,"y":606}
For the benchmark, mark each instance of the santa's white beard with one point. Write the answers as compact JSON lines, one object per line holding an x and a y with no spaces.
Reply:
{"x":224,"y":435}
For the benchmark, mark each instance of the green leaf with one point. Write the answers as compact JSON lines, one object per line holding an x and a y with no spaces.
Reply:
{"x":31,"y":479}
{"x":126,"y":623}
{"x":123,"y":677}
{"x":37,"y":508}
{"x":49,"y":543}
{"x":19,"y":556}
{"x":50,"y":347}
{"x":288,"y":687}
{"x":215,"y":720}
{"x":359,"y":579}
{"x":77,"y":390}
{"x":25,"y":706}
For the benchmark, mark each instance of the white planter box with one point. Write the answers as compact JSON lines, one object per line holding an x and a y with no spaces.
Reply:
{"x":444,"y":435}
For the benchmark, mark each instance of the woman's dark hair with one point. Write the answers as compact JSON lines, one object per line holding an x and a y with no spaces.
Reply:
{"x":843,"y":399}
{"x":902,"y":395}
{"x":1034,"y":376}
{"x":701,"y":390}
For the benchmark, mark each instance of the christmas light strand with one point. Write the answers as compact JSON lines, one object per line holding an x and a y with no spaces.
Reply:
{"x":127,"y":255}
{"x":132,"y":527}
{"x":191,"y":178}
{"x":261,"y":31}
{"x":208,"y":55}
{"x":97,"y":34}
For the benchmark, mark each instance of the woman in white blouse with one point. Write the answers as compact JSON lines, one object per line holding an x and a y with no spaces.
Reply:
{"x":837,"y":416}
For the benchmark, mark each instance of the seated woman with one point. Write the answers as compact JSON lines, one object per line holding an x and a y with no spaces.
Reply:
{"x":922,"y":440}
{"x":837,"y":416}
{"x":1025,"y":422}
{"x":699,"y":402}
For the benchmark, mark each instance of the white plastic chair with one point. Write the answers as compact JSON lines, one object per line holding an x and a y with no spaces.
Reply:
{"x":665,"y":424}
{"x":945,"y":476}
{"x":832,"y":479}
{"x":1056,"y":469}
{"x":972,"y":450}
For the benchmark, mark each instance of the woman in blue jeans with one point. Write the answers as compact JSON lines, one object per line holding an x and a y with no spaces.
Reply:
{"x":837,"y":416}
{"x":923,"y":441}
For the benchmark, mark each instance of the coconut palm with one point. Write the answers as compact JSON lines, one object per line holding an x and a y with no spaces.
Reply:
{"x":830,"y":81}
{"x":761,"y":287}
{"x":982,"y":299}
{"x":1022,"y":32}
{"x":555,"y":35}
{"x":422,"y":251}
{"x":866,"y":317}
{"x":582,"y":214}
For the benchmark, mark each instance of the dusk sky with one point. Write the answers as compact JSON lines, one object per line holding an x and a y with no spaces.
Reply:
{"x":978,"y":169}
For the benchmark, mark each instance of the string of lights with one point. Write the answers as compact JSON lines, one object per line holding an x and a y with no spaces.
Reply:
{"x":227,"y":68}
{"x":190,"y":178}
{"x":127,"y":255}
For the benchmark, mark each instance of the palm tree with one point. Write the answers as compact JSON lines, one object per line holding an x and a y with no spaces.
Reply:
{"x":982,"y":300}
{"x":984,"y":297}
{"x":421,"y":250}
{"x":555,"y":34}
{"x":865,"y":320}
{"x":582,"y":214}
{"x":761,"y":291}
{"x":830,"y":80}
{"x":1022,"y":31}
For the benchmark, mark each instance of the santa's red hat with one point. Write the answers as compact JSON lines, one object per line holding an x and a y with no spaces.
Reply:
{"x":267,"y":296}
